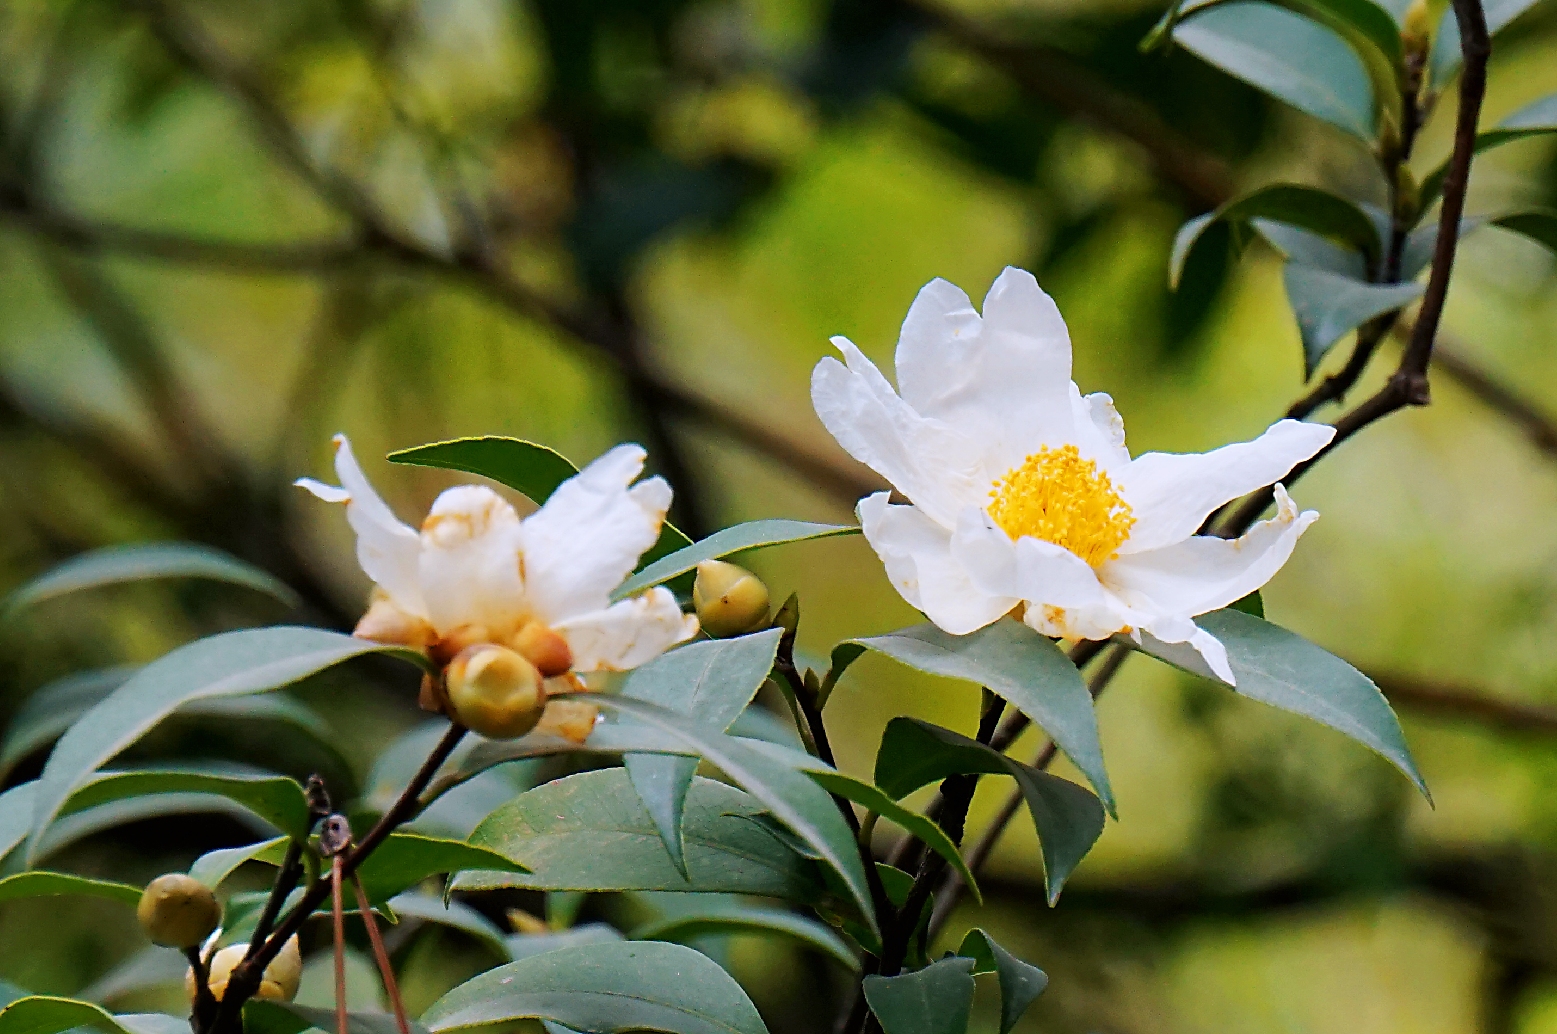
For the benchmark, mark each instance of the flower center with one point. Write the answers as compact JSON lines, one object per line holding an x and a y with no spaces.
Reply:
{"x":1057,"y":496}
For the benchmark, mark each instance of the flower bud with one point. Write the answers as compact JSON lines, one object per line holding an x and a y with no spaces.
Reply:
{"x":495,"y":692}
{"x":570,"y":717}
{"x":279,"y":983}
{"x":545,"y":649}
{"x":178,"y":911}
{"x":730,"y":600}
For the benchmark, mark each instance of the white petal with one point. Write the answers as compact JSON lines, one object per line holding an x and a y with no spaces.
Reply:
{"x":470,"y":562}
{"x":387,"y":550}
{"x":1037,"y":572}
{"x":1099,"y":430}
{"x":1172,"y":494}
{"x":626,"y":634}
{"x":588,"y":536}
{"x":937,"y":349}
{"x":1204,"y":573}
{"x":929,"y":462}
{"x":916,"y":552}
{"x":1178,"y":629}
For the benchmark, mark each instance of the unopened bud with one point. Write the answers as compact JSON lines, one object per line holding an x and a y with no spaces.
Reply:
{"x":570,"y":717}
{"x":455,"y":642}
{"x":730,"y":600}
{"x":278,"y":984}
{"x":178,"y":911}
{"x":495,"y":692}
{"x":545,"y":649}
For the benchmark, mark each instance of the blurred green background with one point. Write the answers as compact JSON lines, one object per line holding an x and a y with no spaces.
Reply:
{"x":229,"y":228}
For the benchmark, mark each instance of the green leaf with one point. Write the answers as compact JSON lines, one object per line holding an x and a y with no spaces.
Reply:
{"x":936,"y":1000}
{"x":78,"y":825}
{"x":531,"y":469}
{"x":1285,"y":670}
{"x":149,"y":969}
{"x":272,"y":1017}
{"x":1253,"y":604}
{"x":1020,"y":982}
{"x":524,"y":945}
{"x":797,"y":802}
{"x":406,"y":859}
{"x":453,"y":914}
{"x":1068,"y":818}
{"x":1329,"y":306}
{"x":230,"y":664}
{"x":16,"y":815}
{"x":1307,"y":248}
{"x":604,"y":988}
{"x":39,"y":884}
{"x":1021,"y":667}
{"x":1306,"y":208}
{"x":738,"y":539}
{"x":726,"y":917}
{"x":1535,"y":119}
{"x":213,"y":867}
{"x":116,"y":564}
{"x":276,"y":799}
{"x":42,"y":1014}
{"x":843,"y":655}
{"x":712,"y":680}
{"x":1296,"y":60}
{"x":590,"y":831}
{"x":1539,"y":226}
{"x":871,"y":797}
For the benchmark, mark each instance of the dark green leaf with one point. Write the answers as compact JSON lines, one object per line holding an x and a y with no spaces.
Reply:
{"x":843,"y":655}
{"x":213,"y":867}
{"x":453,"y":914}
{"x":531,"y":469}
{"x":523,"y":945}
{"x":604,"y":988}
{"x":1539,"y":226}
{"x":41,"y":1014}
{"x":69,"y":829}
{"x":1535,"y":119}
{"x":38,"y":884}
{"x":155,"y":967}
{"x":230,"y":664}
{"x":1305,"y":208}
{"x":1020,"y":982}
{"x":1253,"y":603}
{"x":1290,"y":57}
{"x":16,"y":815}
{"x":1023,"y":668}
{"x":115,"y":564}
{"x":590,"y":831}
{"x":1329,"y":306}
{"x":272,"y":1017}
{"x":712,"y":680}
{"x":1068,"y":818}
{"x":936,"y":1000}
{"x":276,"y":799}
{"x":1285,"y":670}
{"x":406,"y":859}
{"x":1307,"y":248}
{"x":790,"y":796}
{"x":739,"y":539}
{"x":725,"y":917}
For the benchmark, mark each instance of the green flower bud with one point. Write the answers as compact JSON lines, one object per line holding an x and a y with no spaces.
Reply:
{"x":494,"y":691}
{"x":730,"y":600}
{"x":178,"y":911}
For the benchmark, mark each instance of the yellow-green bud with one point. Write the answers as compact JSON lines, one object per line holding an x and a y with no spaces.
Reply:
{"x":545,"y":649}
{"x":730,"y":600}
{"x":494,"y":691}
{"x":278,"y":984}
{"x":178,"y":910}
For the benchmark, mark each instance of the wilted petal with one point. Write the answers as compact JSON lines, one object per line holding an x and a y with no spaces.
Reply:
{"x":917,"y":555}
{"x":387,"y":550}
{"x":1205,"y":573}
{"x":1172,"y":494}
{"x":587,"y":538}
{"x":627,"y":634}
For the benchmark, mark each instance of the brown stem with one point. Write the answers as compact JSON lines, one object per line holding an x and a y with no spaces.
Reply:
{"x":338,"y":913}
{"x":386,"y":971}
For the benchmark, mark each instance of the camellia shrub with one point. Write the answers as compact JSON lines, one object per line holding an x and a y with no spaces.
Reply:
{"x":1039,"y":550}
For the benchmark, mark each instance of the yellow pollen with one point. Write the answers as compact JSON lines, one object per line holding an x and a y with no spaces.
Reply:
{"x":1057,"y":496}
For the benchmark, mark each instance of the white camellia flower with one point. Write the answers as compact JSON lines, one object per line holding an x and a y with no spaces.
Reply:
{"x":477,"y":574}
{"x":1022,"y":494}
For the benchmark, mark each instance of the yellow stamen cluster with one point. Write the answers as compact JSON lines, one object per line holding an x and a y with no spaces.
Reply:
{"x":1057,"y":496}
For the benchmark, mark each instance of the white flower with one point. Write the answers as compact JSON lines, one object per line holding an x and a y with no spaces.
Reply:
{"x":1022,"y":494}
{"x":476,"y":573}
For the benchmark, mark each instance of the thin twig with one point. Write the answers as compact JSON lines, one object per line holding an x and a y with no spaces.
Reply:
{"x":338,"y":914}
{"x":386,"y":971}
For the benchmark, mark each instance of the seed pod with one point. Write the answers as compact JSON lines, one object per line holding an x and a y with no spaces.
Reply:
{"x":178,"y":911}
{"x":495,"y":692}
{"x":545,"y":649}
{"x":730,"y":600}
{"x":279,"y":983}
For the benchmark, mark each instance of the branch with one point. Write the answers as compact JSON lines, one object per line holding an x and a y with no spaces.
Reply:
{"x":1540,"y":428}
{"x":1509,"y":716}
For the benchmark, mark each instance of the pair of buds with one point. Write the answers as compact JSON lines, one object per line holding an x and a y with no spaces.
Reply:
{"x":181,"y":912}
